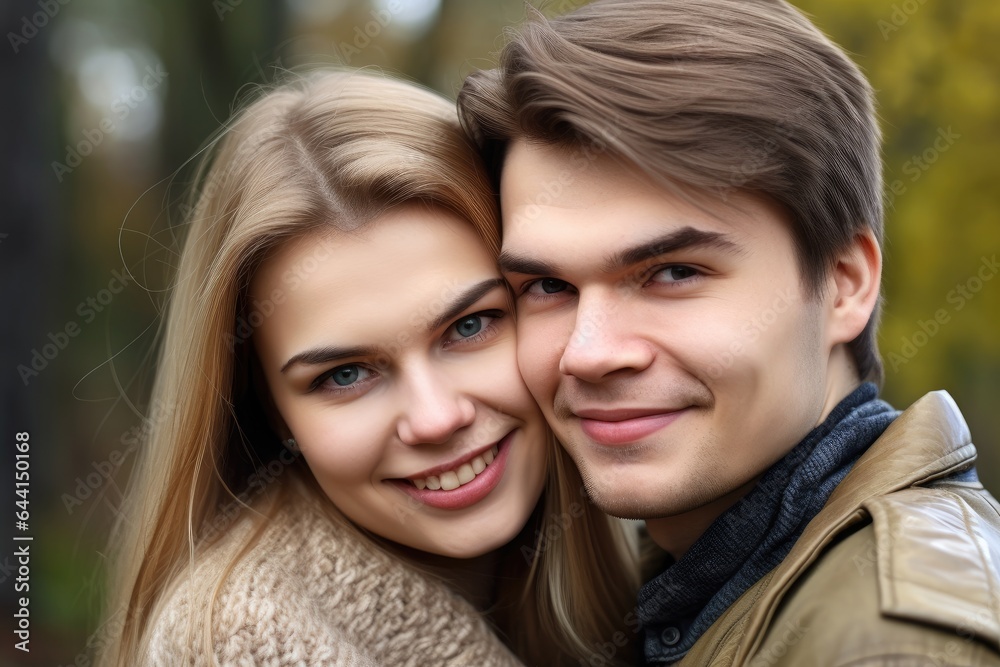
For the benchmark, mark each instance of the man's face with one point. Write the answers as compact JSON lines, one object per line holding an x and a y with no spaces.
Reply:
{"x":671,"y":345}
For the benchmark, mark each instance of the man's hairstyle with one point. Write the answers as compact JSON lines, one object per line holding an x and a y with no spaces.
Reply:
{"x":708,"y":96}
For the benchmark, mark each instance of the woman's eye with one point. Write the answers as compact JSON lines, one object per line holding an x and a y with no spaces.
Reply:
{"x":472,"y":325}
{"x":547,"y":286}
{"x":345,"y":376}
{"x":674,"y":274}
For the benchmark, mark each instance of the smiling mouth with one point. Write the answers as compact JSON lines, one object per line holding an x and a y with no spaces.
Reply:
{"x":624,"y":427}
{"x":450,"y":480}
{"x":467,"y":482}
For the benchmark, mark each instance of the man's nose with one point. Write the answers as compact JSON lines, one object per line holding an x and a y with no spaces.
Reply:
{"x":602,"y":342}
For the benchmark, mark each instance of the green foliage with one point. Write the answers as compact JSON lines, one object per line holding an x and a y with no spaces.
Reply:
{"x":935,"y":68}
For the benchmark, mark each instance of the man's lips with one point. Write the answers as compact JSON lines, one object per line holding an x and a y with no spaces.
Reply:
{"x":623,"y":426}
{"x":621,"y":414}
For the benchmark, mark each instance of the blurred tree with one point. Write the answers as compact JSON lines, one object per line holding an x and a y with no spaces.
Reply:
{"x":31,"y":241}
{"x":936,"y":71}
{"x":215,"y":48}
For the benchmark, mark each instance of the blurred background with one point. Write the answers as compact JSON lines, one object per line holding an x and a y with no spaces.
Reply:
{"x":106,"y":102}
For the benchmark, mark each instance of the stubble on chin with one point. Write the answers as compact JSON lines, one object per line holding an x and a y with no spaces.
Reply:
{"x":612,"y":496}
{"x":616,"y":490}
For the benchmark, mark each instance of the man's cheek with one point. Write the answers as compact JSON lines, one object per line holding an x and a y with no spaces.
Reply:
{"x":531,"y":348}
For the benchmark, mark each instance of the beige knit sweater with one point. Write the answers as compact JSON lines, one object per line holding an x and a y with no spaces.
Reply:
{"x":311,"y":593}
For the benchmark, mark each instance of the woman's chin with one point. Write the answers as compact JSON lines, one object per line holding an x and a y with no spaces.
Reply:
{"x":465,"y":545}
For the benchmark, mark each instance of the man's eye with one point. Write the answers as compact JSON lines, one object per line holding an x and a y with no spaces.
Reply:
{"x":675,"y":274}
{"x":547,"y":286}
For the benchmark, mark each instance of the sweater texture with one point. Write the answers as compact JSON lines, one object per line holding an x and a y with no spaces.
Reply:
{"x":311,"y":592}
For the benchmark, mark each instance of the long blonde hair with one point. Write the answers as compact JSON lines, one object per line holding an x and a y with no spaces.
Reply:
{"x":327,"y":148}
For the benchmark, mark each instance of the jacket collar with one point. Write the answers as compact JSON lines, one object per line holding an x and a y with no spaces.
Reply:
{"x":928,"y":441}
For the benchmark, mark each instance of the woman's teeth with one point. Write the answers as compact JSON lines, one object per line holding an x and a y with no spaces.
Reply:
{"x":452,"y":479}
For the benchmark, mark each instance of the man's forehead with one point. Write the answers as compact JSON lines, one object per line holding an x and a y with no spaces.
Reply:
{"x":544,"y":173}
{"x":549,"y":203}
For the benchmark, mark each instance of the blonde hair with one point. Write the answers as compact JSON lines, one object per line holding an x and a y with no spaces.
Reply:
{"x":328,"y":148}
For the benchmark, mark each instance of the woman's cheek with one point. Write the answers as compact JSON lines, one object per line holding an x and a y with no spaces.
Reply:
{"x":344,"y":448}
{"x":505,"y":388}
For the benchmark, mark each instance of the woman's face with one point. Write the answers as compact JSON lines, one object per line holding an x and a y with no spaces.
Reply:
{"x":390,"y":355}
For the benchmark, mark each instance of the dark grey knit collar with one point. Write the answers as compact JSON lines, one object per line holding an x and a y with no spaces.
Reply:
{"x":753,"y":536}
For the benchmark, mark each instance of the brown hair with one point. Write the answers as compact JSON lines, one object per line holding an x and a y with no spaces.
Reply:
{"x":704,"y":95}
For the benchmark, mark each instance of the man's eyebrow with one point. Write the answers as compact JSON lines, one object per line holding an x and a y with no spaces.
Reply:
{"x":513,"y":263}
{"x":680,"y":239}
{"x":464,"y":299}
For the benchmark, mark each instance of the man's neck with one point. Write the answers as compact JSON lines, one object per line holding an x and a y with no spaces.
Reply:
{"x":676,"y":534}
{"x":842,"y":379}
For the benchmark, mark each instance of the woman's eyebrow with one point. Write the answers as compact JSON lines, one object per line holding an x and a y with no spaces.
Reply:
{"x":464,"y":299}
{"x":324,"y":355}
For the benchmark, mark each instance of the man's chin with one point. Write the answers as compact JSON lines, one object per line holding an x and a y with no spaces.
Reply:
{"x":622,"y":507}
{"x":641,"y":504}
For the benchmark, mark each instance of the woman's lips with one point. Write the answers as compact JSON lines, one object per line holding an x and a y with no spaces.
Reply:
{"x":467,"y":494}
{"x":613,"y":429}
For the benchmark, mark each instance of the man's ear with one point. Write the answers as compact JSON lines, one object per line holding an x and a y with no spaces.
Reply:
{"x":855,"y":281}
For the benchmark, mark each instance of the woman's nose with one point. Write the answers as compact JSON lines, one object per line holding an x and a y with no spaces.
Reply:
{"x":435,"y":410}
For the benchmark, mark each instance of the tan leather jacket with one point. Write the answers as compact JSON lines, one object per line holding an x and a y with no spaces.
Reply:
{"x":901,"y":567}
